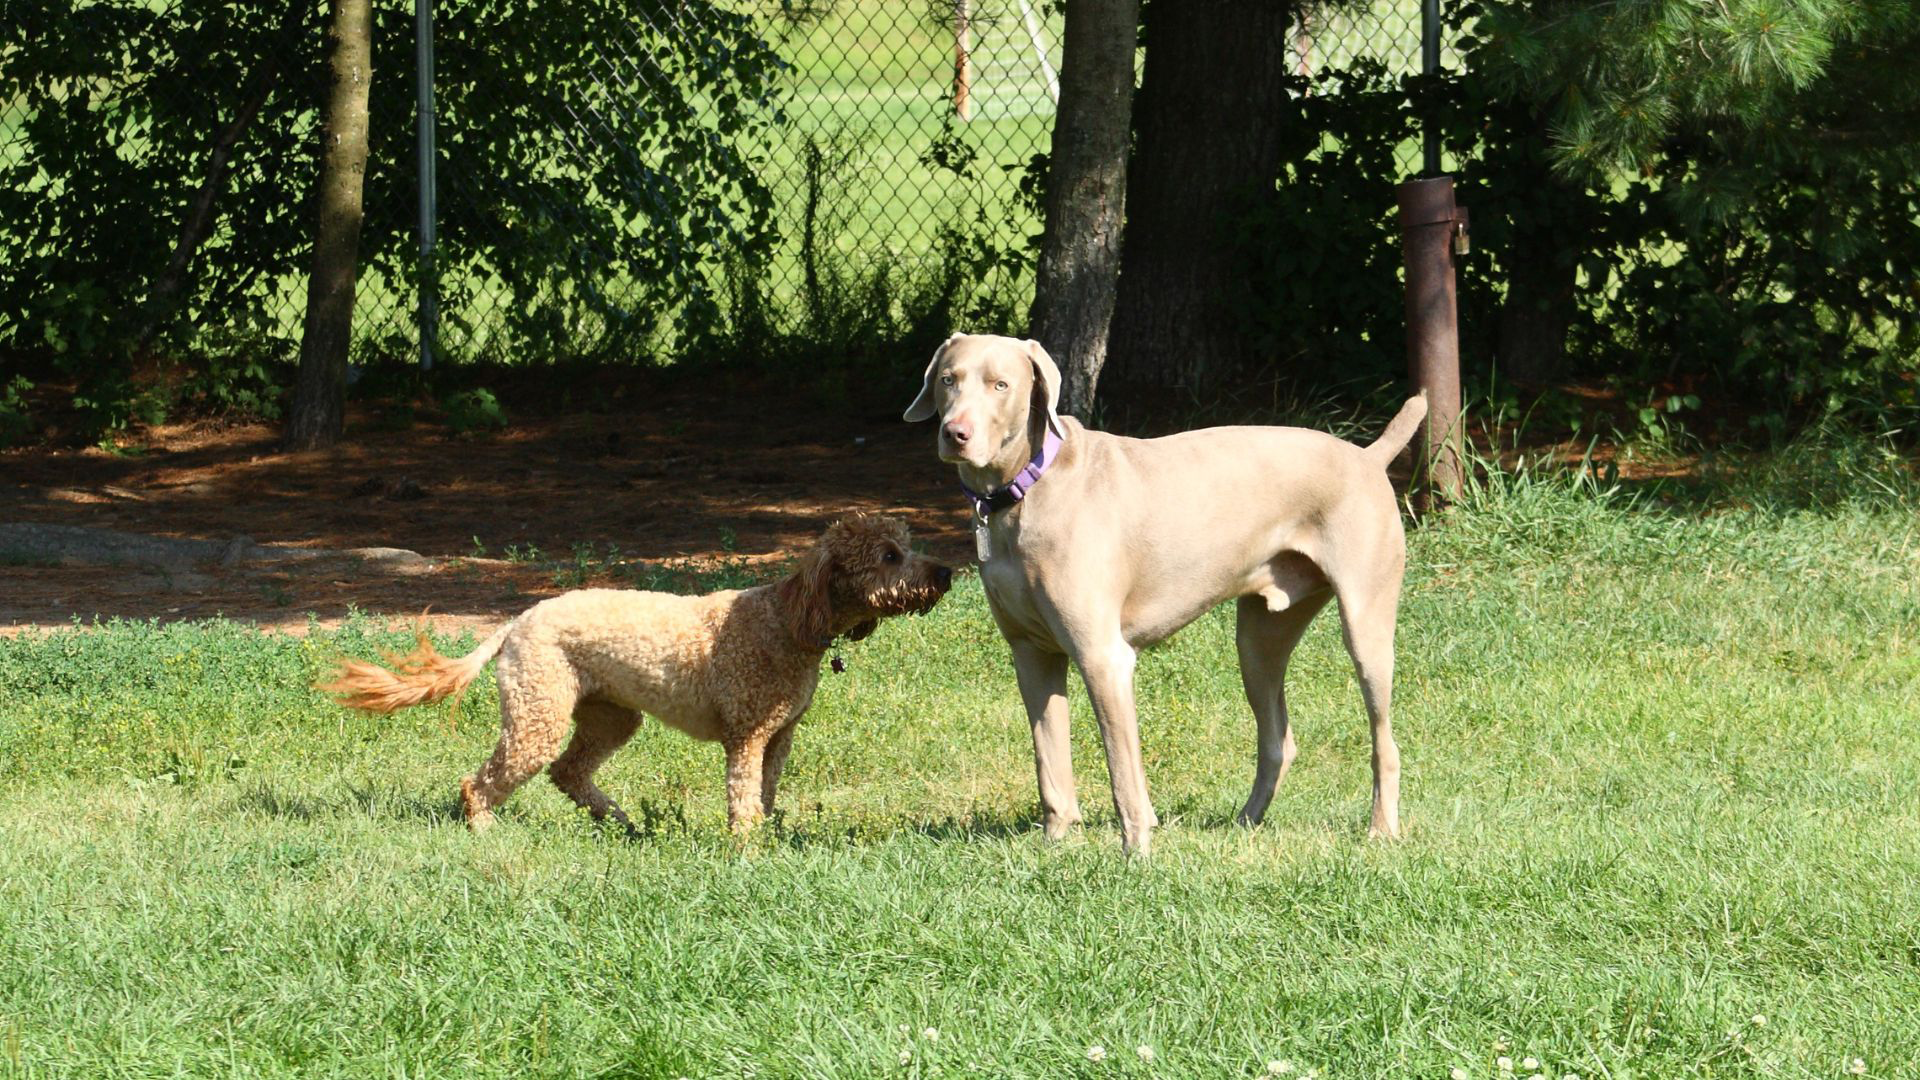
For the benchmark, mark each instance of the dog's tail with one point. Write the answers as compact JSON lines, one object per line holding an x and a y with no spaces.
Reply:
{"x":417,"y":678}
{"x":1399,"y":431}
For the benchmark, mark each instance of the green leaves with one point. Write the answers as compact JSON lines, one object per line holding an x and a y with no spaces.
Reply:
{"x":595,"y":164}
{"x":1616,"y":78}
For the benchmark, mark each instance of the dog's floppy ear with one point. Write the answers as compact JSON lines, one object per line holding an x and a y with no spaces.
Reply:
{"x":1046,"y":378}
{"x":922,"y":406}
{"x":862,"y":629}
{"x":809,"y":600}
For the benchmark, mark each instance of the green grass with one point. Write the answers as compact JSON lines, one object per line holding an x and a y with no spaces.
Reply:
{"x":1659,"y":781}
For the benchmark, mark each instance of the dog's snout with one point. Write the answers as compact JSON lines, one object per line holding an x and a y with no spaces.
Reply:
{"x":959,"y":431}
{"x":943,"y":577}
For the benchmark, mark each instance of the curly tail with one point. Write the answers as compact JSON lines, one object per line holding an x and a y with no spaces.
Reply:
{"x":1399,"y":431}
{"x":419,"y":677}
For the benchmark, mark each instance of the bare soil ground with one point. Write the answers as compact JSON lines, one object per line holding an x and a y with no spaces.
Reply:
{"x":673,"y":470}
{"x":685,"y":473}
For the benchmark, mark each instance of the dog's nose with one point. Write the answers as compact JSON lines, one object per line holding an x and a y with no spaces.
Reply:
{"x":959,"y":432}
{"x":943,"y":576}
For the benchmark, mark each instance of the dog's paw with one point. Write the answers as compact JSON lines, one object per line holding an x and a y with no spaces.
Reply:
{"x":479,"y":819}
{"x":1059,"y":826}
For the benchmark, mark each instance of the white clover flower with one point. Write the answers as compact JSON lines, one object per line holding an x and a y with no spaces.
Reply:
{"x":1500,"y":1046}
{"x":1759,"y":1020}
{"x":904,"y":1029}
{"x":1530,"y":1063}
{"x":931,"y":1034}
{"x":1096,"y":1053}
{"x":1857,"y":1067}
{"x":1145,"y":1052}
{"x":1571,"y":1076}
{"x":1458,"y":1073}
{"x":906,"y":1057}
{"x":1279,"y":1068}
{"x":1503,"y":1063}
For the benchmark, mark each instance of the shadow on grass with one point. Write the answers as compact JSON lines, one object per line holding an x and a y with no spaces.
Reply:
{"x":816,"y":831}
{"x":364,"y":801}
{"x":653,"y":821}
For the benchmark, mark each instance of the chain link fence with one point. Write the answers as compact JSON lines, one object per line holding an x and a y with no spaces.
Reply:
{"x":614,"y":179}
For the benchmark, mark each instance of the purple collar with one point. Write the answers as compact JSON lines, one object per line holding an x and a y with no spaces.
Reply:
{"x":1022,"y":483}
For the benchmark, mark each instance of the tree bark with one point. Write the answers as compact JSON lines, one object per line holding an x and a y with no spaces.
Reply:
{"x":318,"y":414}
{"x":1538,"y":309}
{"x":1086,"y":194}
{"x":1531,"y":346}
{"x":1207,"y":125}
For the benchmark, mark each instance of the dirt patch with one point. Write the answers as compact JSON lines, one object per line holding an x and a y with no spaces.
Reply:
{"x":684,"y":474}
{"x":655,"y":470}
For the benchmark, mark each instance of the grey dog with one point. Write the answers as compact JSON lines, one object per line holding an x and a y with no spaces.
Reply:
{"x":1094,"y":546}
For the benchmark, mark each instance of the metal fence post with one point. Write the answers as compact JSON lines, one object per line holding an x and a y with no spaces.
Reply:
{"x":1432,"y":229}
{"x":1429,"y":221}
{"x":1430,"y":65}
{"x":429,"y":283}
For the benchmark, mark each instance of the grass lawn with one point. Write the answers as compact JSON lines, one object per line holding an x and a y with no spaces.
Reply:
{"x":1660,"y":807}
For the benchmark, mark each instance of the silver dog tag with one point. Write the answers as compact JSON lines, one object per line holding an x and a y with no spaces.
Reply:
{"x":982,"y":538}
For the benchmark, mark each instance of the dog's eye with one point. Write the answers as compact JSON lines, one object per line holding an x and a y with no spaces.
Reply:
{"x":1000,"y":385}
{"x":891,"y":556}
{"x":946,"y":380}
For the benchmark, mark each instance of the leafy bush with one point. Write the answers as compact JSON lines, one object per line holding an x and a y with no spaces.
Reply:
{"x":616,"y":143}
{"x":473,"y":410}
{"x":15,"y":419}
{"x":1766,"y":268}
{"x":238,"y":377}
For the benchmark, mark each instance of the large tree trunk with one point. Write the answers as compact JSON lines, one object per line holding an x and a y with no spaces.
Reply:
{"x":1207,"y":125}
{"x":320,"y":393}
{"x":1086,"y":194}
{"x":1542,"y":259}
{"x":1539,"y":307}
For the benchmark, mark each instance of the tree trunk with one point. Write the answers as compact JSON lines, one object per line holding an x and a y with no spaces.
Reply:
{"x":1532,"y":343}
{"x":1086,"y":194}
{"x":320,"y":393}
{"x":1207,"y":127}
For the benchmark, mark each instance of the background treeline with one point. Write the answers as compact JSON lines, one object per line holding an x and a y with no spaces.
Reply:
{"x":1698,"y":210}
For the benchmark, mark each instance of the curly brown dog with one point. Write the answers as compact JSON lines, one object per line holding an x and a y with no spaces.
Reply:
{"x":736,"y":667}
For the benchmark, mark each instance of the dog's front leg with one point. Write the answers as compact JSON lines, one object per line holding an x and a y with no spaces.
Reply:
{"x":776,"y":759}
{"x":745,"y":759}
{"x":1043,"y":688}
{"x":1109,"y":674}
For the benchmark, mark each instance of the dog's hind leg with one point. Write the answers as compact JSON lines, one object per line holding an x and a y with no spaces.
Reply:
{"x":1266,"y":640}
{"x":533,"y":724}
{"x":1367,"y":616}
{"x":599,"y":728}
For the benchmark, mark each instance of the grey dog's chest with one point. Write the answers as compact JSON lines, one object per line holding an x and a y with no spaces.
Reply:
{"x":1011,"y":591}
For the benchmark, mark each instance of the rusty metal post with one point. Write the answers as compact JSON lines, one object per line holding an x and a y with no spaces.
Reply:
{"x":1430,"y":228}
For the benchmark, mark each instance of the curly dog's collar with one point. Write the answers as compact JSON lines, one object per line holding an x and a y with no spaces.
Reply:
{"x":838,"y":665}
